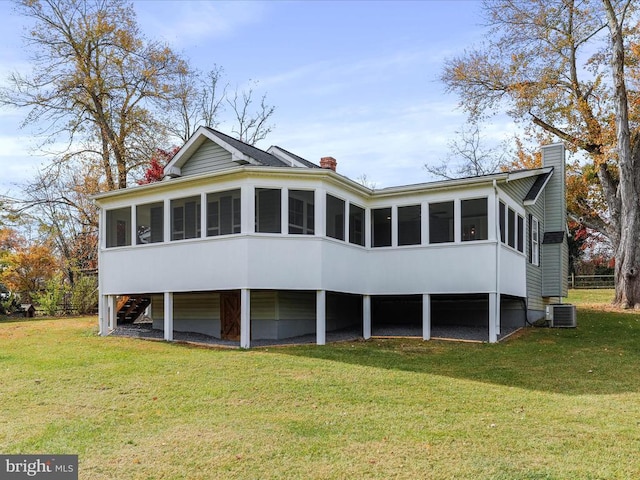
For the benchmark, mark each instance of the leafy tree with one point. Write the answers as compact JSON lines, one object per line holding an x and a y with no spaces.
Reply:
{"x":96,"y":82}
{"x":84,"y":294}
{"x":159,"y":160}
{"x":28,"y":269}
{"x":570,"y":68}
{"x":51,"y":296}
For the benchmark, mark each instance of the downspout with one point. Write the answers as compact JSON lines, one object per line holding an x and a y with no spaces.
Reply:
{"x":498,"y":248}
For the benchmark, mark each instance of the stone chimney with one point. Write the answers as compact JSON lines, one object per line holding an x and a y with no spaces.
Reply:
{"x":328,"y":162}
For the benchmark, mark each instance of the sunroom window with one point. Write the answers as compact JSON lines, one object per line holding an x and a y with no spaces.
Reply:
{"x":268,"y":210}
{"x":356,"y":225}
{"x":441,"y":222}
{"x":301,"y":212}
{"x":335,"y":217}
{"x":474,"y":219}
{"x":150,"y":223}
{"x":520,"y":234}
{"x":409,"y":219}
{"x":502,"y":208}
{"x":118,"y":228}
{"x":511,"y":228}
{"x":185,"y":218}
{"x":381,"y":225}
{"x":223,"y":213}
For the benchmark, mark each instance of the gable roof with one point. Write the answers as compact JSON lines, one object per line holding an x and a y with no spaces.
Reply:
{"x":241,"y":153}
{"x":292,"y":158}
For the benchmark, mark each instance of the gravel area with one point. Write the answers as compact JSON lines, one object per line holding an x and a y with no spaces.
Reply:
{"x":145,"y":330}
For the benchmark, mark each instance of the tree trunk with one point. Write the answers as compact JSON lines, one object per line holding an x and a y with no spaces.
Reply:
{"x":627,"y":270}
{"x":628,"y":250}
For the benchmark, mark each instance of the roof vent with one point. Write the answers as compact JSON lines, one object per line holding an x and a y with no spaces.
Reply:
{"x":328,"y":162}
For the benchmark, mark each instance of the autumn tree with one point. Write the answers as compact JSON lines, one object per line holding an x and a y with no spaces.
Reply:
{"x":96,"y":83}
{"x":28,"y":269}
{"x":565,"y":67}
{"x":58,"y":200}
{"x":155,"y":170}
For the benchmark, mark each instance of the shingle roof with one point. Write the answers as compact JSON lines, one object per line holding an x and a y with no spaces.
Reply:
{"x":261,"y":156}
{"x":304,"y":161}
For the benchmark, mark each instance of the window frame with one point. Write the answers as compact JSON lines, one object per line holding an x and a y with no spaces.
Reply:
{"x":535,"y":241}
{"x":337,"y":225}
{"x":153,"y":233}
{"x":353,"y":231}
{"x":214,"y":229}
{"x":307,"y":214}
{"x":122,"y":227}
{"x":451,"y":236}
{"x":409,"y":230}
{"x":479,"y":230}
{"x":182,"y":205}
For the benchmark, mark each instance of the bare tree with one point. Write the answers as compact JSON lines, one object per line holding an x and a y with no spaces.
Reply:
{"x":469,"y":156}
{"x":250,"y":126}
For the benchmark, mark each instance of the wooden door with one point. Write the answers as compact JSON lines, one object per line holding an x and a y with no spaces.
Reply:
{"x":230,"y":315}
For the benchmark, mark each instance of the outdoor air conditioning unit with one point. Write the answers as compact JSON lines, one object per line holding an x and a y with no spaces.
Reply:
{"x":561,"y":315}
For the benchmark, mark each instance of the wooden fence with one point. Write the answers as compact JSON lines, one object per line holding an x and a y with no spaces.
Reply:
{"x":591,"y":281}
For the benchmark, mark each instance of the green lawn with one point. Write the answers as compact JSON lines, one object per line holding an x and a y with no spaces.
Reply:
{"x":546,"y":404}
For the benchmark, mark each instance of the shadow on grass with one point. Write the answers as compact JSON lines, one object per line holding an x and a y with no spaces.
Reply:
{"x":599,"y":357}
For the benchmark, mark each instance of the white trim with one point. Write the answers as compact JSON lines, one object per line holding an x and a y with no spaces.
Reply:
{"x":245,"y":318}
{"x":366,"y":317}
{"x":426,"y":316}
{"x":168,"y":316}
{"x":321,"y":317}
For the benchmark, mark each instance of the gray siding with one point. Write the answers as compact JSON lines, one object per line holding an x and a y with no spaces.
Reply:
{"x":555,"y":258}
{"x":208,"y":158}
{"x":282,"y":314}
{"x":192,"y":312}
{"x":518,"y":190}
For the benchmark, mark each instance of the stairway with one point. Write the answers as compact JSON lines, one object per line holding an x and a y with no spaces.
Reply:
{"x":131,"y":307}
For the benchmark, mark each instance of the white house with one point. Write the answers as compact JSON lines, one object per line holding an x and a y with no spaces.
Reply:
{"x":244,"y":244}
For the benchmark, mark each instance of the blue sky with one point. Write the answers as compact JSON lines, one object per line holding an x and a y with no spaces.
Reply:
{"x":354,"y":80}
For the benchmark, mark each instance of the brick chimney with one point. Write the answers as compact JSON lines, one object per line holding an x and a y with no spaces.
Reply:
{"x":328,"y":162}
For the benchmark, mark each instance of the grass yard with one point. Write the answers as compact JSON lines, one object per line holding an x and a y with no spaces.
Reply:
{"x":546,"y":404}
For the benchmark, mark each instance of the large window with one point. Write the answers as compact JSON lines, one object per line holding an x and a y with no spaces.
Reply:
{"x":118,"y":228}
{"x":185,"y":218}
{"x":268,"y":210}
{"x":223,"y":213}
{"x":441,"y":222}
{"x":301,"y":212}
{"x":381,"y":225}
{"x":150,"y":223}
{"x":335,"y":217}
{"x":356,"y":225}
{"x":409,"y":220}
{"x":474,"y":219}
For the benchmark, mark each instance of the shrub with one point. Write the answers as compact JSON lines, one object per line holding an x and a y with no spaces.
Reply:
{"x":84,"y":294}
{"x":50,"y":299}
